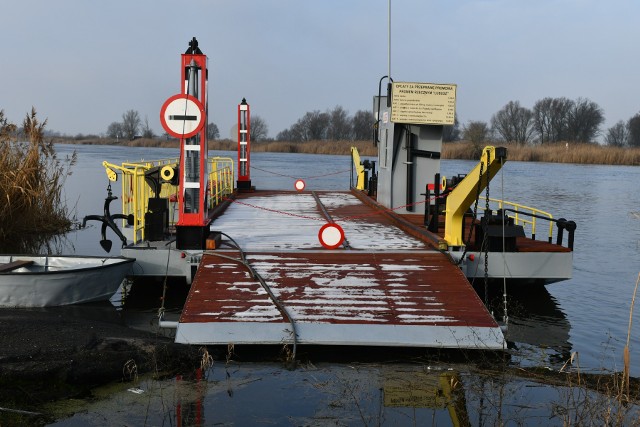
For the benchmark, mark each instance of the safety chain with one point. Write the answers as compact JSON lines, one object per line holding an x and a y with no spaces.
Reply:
{"x":301,"y":177}
{"x":485,"y":239}
{"x":344,"y":219}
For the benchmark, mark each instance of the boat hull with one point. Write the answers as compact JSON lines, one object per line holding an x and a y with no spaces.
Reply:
{"x":61,"y":280}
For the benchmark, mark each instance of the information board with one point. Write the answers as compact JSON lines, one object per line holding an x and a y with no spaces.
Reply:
{"x":423,"y":103}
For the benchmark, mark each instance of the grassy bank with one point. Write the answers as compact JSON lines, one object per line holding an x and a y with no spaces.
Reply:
{"x":554,"y":153}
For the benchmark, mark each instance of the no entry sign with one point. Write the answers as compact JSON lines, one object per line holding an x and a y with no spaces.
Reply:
{"x":299,"y":185}
{"x":182,"y":116}
{"x":331,"y":235}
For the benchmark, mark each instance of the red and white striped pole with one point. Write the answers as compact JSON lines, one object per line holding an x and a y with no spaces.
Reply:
{"x":184,"y":116}
{"x":244,"y":146}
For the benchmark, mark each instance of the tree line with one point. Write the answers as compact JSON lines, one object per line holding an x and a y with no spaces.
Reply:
{"x":550,"y":120}
{"x":132,"y":127}
{"x":330,"y":125}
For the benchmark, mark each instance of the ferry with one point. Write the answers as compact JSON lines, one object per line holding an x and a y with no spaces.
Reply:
{"x":390,"y":262}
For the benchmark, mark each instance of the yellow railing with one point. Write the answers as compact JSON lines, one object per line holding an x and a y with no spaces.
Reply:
{"x":522,"y":214}
{"x":355,"y":157}
{"x":136,"y":192}
{"x":220,"y":180}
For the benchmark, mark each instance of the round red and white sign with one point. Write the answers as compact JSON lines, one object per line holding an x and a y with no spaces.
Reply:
{"x":182,"y":116}
{"x":331,"y":235}
{"x":299,"y":184}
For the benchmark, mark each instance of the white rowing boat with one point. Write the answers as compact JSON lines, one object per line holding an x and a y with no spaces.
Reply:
{"x":51,"y":280}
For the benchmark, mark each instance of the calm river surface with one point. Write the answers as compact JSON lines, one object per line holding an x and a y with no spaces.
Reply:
{"x":587,"y":315}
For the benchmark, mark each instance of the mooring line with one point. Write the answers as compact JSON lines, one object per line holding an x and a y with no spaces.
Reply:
{"x":276,"y":210}
{"x":300,"y":177}
{"x":278,"y":303}
{"x":345,"y":219}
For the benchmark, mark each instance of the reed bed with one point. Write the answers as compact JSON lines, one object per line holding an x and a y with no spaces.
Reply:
{"x":31,"y":182}
{"x":591,"y":154}
{"x":563,"y":152}
{"x":365,"y":148}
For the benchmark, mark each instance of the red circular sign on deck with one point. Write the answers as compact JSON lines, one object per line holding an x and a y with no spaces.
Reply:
{"x":299,"y":185}
{"x":182,"y":116}
{"x":331,"y":235}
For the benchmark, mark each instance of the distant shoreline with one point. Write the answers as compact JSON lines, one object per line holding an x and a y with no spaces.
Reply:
{"x":592,"y":154}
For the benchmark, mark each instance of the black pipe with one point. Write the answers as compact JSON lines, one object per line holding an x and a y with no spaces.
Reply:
{"x":433,"y":221}
{"x":409,"y":183}
{"x":427,"y":206}
{"x":571,"y":228}
{"x":561,"y":226}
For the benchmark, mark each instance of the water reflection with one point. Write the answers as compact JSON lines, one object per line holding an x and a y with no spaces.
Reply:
{"x":535,"y":319}
{"x":37,"y":243}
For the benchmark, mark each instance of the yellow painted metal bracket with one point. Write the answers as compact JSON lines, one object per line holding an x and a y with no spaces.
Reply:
{"x":359,"y":168}
{"x":464,"y":194}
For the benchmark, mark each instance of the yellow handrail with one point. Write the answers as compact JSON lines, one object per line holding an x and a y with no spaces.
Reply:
{"x":136,"y":192}
{"x":355,"y":157}
{"x":524,"y":220}
{"x":464,"y":194}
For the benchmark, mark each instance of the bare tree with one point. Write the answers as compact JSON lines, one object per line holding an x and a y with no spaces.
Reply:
{"x":513,"y":123}
{"x":339,"y":126}
{"x":310,"y":127}
{"x":451,"y":132}
{"x":542,"y":118}
{"x":633,"y":127}
{"x":147,"y":132}
{"x":477,"y":132}
{"x":131,"y":123}
{"x":560,"y":110}
{"x":617,"y":135}
{"x":550,"y":119}
{"x":584,"y":120}
{"x":285,"y":135}
{"x":115,"y":131}
{"x":212,"y":131}
{"x":259,"y":129}
{"x":362,"y":125}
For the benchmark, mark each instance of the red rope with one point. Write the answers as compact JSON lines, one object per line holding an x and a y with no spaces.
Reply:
{"x":345,"y":219}
{"x":301,"y":177}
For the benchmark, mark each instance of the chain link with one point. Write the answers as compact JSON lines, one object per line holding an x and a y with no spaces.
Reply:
{"x":485,"y":239}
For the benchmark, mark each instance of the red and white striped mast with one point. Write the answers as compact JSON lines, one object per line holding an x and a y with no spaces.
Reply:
{"x":184,"y":116}
{"x":244,"y":146}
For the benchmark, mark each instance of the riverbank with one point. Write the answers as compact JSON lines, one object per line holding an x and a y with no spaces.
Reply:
{"x":47,"y":355}
{"x":592,"y":154}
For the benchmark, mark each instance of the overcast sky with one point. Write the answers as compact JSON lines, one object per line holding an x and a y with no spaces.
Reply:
{"x":83,"y":63}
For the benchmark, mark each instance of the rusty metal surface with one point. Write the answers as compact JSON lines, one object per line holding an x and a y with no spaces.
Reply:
{"x":385,"y":288}
{"x":268,"y":221}
{"x":337,"y":287}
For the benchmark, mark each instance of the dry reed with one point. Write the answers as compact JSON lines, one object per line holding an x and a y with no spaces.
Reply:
{"x":626,"y":356}
{"x":563,"y":152}
{"x":31,"y":183}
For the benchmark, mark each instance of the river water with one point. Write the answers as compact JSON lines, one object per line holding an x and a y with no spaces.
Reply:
{"x":586,"y":317}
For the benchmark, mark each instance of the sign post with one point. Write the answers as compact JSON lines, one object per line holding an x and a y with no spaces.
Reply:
{"x":184,"y":116}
